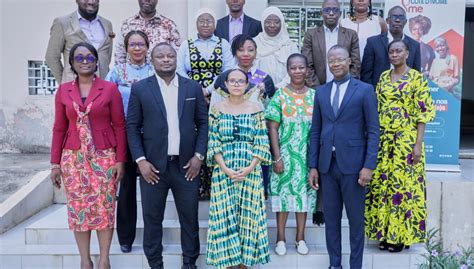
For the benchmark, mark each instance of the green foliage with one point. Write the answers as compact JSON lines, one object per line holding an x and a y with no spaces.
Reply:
{"x":436,"y":258}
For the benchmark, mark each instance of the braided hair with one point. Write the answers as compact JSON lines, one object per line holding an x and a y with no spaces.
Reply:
{"x":352,"y":12}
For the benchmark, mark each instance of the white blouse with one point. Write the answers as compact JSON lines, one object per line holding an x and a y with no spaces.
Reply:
{"x":364,"y":30}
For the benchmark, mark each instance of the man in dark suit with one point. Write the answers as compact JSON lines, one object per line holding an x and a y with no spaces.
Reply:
{"x":376,"y":60}
{"x":167,"y":135}
{"x":237,"y":22}
{"x":317,"y":42}
{"x":343,"y":153}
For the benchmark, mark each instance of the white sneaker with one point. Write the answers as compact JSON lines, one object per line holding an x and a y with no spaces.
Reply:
{"x":280,"y":248}
{"x":301,"y":247}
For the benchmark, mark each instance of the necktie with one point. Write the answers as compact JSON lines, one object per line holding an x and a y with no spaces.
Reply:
{"x":335,"y":100}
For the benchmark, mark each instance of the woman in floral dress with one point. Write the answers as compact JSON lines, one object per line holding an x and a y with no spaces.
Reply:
{"x":395,"y":202}
{"x":289,"y":116}
{"x":238,"y":145}
{"x":88,"y":152}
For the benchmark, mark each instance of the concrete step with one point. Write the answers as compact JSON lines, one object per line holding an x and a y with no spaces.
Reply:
{"x":66,"y":257}
{"x":53,"y":229}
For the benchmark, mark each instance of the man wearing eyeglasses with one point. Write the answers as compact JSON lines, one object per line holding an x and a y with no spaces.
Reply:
{"x":376,"y":60}
{"x":83,"y":25}
{"x":319,"y":40}
{"x":157,"y":27}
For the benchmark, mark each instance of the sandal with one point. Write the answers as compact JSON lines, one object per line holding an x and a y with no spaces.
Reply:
{"x":383,"y":245}
{"x":394,"y":248}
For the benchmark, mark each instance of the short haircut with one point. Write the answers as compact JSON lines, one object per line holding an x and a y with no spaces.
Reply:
{"x":161,"y":44}
{"x":237,"y":70}
{"x":85,"y":45}
{"x":441,"y":39}
{"x":339,"y":47}
{"x":239,"y":41}
{"x":136,"y":32}
{"x":396,"y":7}
{"x":296,"y":55}
{"x":325,"y":2}
{"x":399,"y":41}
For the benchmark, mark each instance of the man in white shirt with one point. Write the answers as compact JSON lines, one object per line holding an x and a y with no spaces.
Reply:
{"x":319,"y":40}
{"x":167,"y":134}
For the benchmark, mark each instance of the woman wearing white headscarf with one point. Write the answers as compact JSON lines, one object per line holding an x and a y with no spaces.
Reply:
{"x":274,"y":46}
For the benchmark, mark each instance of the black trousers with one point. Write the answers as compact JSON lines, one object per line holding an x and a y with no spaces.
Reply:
{"x":343,"y":189}
{"x":127,"y":203}
{"x":185,"y":195}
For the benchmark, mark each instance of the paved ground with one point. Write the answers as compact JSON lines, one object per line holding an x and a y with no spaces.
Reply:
{"x":17,"y":169}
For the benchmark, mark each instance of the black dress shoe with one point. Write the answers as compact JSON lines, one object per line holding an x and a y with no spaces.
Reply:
{"x":189,"y":266}
{"x":126,"y":248}
{"x":335,"y":267}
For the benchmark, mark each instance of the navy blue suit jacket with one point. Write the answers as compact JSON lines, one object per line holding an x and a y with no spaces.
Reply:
{"x":376,"y":61}
{"x":251,"y":27}
{"x":147,"y":126}
{"x":354,"y":131}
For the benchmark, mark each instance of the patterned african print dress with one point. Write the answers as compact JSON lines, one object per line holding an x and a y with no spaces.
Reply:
{"x":290,"y":191}
{"x":395,"y":201}
{"x":237,"y":221}
{"x":204,"y":72}
{"x":88,"y":181}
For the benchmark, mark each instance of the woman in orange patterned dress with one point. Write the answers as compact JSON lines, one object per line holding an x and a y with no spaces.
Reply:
{"x":88,"y":152}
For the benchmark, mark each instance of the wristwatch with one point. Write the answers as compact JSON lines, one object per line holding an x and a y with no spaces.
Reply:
{"x":199,"y":156}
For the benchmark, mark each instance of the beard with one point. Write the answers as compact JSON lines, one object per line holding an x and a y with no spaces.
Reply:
{"x":88,"y":15}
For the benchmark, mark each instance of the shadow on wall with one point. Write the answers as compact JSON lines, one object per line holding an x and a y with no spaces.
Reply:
{"x":28,"y":130}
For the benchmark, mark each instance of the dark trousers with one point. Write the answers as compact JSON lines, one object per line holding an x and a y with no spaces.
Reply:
{"x":185,"y":195}
{"x":339,"y":189}
{"x":127,"y":203}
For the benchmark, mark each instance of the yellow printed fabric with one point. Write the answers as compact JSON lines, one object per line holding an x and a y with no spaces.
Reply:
{"x":396,"y":200}
{"x":237,"y":221}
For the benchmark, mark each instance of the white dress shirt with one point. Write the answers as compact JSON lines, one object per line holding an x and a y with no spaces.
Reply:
{"x":170,"y":98}
{"x":331,"y":40}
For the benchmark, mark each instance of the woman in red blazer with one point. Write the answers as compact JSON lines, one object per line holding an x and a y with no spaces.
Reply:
{"x":88,"y":152}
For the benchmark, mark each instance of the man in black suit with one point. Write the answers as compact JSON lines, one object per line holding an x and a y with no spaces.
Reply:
{"x":167,"y":134}
{"x":375,"y":60}
{"x":237,"y":22}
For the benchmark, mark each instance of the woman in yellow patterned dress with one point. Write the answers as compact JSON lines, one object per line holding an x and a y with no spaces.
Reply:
{"x":395,"y":203}
{"x":238,"y":144}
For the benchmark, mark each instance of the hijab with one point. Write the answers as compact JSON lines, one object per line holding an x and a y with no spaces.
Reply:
{"x":280,"y":45}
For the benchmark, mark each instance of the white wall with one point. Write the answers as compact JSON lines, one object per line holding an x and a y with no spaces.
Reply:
{"x":25,"y":120}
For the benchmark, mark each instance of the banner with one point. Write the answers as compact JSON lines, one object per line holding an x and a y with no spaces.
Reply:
{"x":439,"y":27}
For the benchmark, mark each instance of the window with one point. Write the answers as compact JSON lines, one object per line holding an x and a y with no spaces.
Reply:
{"x":301,"y":15}
{"x":40,"y":79}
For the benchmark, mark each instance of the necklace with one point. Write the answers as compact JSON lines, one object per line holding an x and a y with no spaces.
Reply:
{"x":297,"y":91}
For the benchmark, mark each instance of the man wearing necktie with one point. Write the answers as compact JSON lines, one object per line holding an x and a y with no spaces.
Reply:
{"x":343,"y":153}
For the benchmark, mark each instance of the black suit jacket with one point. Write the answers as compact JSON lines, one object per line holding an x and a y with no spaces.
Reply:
{"x":147,"y":126}
{"x":376,"y":60}
{"x":252,"y":27}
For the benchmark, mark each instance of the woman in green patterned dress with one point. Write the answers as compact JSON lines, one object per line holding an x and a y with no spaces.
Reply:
{"x":238,"y":145}
{"x":289,"y":115}
{"x":395,"y":202}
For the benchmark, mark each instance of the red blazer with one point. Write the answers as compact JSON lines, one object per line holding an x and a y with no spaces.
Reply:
{"x":106,"y":117}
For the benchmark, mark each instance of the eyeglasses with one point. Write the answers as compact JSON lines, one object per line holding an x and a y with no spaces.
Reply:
{"x":205,"y":22}
{"x":328,"y":10}
{"x":398,"y":17}
{"x":80,"y":58}
{"x":239,"y":82}
{"x":139,"y":45}
{"x":337,"y":61}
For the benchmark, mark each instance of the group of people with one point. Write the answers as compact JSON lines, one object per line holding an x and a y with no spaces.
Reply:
{"x":238,"y":115}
